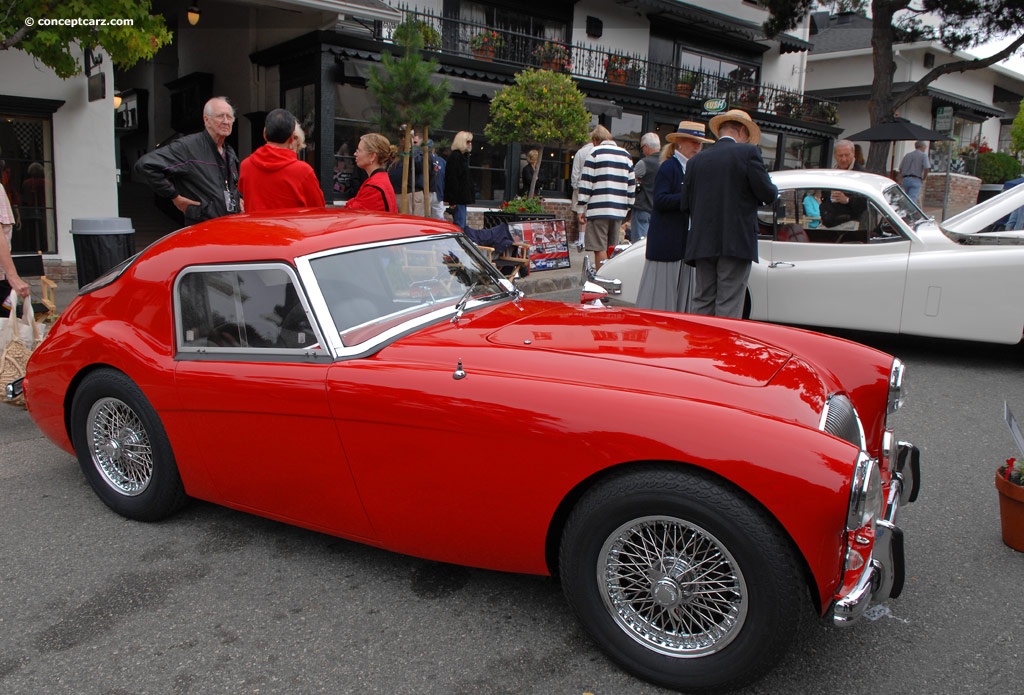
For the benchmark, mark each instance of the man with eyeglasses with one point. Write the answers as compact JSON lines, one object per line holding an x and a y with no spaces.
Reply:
{"x":197,"y":173}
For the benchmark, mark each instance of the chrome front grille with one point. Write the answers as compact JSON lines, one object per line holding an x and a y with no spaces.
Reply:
{"x":840,"y":419}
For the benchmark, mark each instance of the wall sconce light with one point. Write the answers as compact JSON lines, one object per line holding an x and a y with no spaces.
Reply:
{"x":117,"y":100}
{"x":193,"y":14}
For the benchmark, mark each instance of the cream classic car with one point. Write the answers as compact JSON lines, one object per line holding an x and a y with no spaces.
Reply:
{"x":892,"y":269}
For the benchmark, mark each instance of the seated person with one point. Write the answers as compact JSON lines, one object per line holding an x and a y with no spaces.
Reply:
{"x":812,"y":209}
{"x":842,"y":210}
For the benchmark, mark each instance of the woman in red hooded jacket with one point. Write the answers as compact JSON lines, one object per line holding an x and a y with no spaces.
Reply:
{"x":372,"y":156}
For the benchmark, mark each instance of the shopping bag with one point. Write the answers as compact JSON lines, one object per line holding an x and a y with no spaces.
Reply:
{"x":23,"y":328}
{"x":20,"y":335}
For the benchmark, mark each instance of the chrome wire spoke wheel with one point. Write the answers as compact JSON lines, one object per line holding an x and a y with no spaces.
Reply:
{"x":672,"y":586}
{"x":119,"y":446}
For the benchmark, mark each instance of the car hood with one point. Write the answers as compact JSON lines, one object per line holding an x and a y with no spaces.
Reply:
{"x":982,"y":216}
{"x":655,"y":339}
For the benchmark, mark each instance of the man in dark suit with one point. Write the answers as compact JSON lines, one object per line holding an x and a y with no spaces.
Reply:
{"x":724,"y":186}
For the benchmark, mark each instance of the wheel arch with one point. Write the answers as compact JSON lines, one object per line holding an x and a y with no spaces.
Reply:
{"x":556,"y":528}
{"x":76,"y":382}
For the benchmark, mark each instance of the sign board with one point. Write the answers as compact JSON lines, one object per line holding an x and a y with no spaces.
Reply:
{"x":944,"y":119}
{"x":548,"y":246}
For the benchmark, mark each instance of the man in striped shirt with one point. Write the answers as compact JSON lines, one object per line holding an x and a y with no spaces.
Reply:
{"x":606,"y":192}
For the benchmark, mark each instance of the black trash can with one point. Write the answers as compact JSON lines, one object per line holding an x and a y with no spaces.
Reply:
{"x":100,"y":244}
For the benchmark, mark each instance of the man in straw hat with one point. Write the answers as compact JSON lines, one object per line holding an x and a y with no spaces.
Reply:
{"x":724,"y":186}
{"x":665,"y":284}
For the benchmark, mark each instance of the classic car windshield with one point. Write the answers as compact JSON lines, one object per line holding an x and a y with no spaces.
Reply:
{"x":373,"y":289}
{"x":903,"y":205}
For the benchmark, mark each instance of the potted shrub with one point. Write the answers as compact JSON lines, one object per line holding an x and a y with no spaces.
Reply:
{"x":431,"y":36}
{"x":553,"y":56}
{"x":789,"y":105}
{"x":687,"y":82}
{"x":1010,"y":486}
{"x":750,"y":99}
{"x":822,"y":111}
{"x":485,"y":43}
{"x":617,"y":68}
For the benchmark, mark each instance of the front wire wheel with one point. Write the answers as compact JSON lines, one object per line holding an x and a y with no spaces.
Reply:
{"x":681,"y":578}
{"x":672,"y":586}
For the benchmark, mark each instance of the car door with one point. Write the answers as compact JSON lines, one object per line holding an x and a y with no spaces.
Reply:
{"x":851,"y":275}
{"x":251,"y":379}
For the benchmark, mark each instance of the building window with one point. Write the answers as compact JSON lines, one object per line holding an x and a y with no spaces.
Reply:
{"x":26,"y":173}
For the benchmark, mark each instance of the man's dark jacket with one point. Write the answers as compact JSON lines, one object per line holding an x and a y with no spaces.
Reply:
{"x":191,"y":166}
{"x":834,"y":214}
{"x":724,"y":186}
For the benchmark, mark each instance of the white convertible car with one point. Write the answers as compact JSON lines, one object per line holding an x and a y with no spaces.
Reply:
{"x":891,"y":269}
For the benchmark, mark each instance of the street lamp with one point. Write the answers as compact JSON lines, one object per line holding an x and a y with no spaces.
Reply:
{"x":193,"y":14}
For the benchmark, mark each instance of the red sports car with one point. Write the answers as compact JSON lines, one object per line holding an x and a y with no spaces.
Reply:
{"x":694,"y":482}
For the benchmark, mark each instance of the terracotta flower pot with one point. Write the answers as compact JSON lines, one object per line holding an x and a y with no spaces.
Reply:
{"x":684,"y":90}
{"x":1011,"y":512}
{"x":616,"y":76}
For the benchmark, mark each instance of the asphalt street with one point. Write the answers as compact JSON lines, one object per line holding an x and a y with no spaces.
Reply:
{"x":216,"y":601}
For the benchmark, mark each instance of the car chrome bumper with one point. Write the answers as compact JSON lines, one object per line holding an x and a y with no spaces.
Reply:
{"x":883,"y":577}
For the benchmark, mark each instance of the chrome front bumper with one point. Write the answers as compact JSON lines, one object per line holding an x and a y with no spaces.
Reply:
{"x":883,"y":577}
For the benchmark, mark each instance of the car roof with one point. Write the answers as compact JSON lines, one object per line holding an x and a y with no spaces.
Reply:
{"x":857,"y":181}
{"x":288,"y":234}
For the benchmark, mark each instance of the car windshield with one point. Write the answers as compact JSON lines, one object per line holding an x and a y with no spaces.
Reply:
{"x":369,"y":291}
{"x":904,"y":206}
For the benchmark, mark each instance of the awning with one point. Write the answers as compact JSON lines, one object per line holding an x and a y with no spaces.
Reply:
{"x":373,"y":10}
{"x":718,"y":23}
{"x":603,"y":107}
{"x":964,"y":106}
{"x":980,"y":108}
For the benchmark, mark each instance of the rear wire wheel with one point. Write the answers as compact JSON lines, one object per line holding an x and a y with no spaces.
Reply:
{"x":123,"y":449}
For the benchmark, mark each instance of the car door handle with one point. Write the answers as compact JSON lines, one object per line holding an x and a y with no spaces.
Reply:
{"x":779,"y":264}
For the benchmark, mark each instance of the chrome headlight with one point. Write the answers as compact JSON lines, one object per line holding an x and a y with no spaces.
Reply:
{"x":865,"y":494}
{"x":897,"y":386}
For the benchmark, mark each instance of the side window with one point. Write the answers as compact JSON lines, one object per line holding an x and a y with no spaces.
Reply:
{"x":241,"y":308}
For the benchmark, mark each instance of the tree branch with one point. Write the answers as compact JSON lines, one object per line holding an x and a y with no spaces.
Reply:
{"x":965,"y":65}
{"x":14,"y":39}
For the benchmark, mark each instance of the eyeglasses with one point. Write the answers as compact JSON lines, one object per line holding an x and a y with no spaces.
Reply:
{"x":469,"y":141}
{"x":223,"y":117}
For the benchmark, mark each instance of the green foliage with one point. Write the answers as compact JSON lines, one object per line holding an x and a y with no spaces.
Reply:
{"x":431,"y":37}
{"x":541,"y":107}
{"x":523,"y":204}
{"x":1017,"y":131}
{"x":405,"y":92}
{"x":997,"y":167}
{"x":59,"y":47}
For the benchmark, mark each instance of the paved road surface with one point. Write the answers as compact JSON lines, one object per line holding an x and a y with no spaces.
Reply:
{"x":215,"y":601}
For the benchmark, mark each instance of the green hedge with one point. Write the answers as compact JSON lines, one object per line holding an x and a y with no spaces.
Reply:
{"x":997,"y":167}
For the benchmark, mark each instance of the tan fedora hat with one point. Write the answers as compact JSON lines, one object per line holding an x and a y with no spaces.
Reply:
{"x":690,"y":130}
{"x":740,"y":117}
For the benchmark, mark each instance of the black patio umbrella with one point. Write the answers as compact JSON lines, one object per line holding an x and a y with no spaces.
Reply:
{"x":897,"y":129}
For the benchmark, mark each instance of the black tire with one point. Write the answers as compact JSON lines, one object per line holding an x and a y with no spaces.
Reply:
{"x":123,"y":449}
{"x":629,"y":556}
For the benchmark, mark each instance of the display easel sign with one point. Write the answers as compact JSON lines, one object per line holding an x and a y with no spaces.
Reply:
{"x":548,"y":246}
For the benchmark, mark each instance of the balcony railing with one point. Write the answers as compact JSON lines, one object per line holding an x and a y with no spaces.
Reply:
{"x":464,"y":38}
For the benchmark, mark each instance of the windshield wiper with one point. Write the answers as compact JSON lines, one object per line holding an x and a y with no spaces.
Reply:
{"x":463,"y":301}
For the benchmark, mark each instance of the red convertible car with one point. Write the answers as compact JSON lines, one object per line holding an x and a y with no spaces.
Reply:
{"x":695,"y":483}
